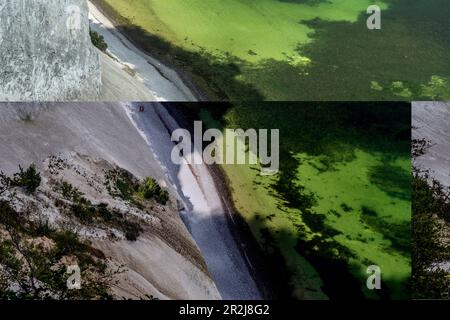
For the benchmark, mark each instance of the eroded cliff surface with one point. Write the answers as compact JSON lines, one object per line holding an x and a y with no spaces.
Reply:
{"x":46,"y":53}
{"x":85,"y":210}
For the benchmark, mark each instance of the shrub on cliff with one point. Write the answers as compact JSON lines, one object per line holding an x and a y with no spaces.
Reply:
{"x":429,"y":204}
{"x":4,"y":182}
{"x":32,"y":271}
{"x":29,"y":179}
{"x":150,"y":189}
{"x":98,"y":41}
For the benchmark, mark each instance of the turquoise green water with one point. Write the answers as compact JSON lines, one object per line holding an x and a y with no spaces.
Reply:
{"x":343,"y":192}
{"x":252,"y":30}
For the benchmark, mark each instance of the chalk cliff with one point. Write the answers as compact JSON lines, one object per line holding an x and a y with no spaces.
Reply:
{"x":46,"y":52}
{"x":88,"y":155}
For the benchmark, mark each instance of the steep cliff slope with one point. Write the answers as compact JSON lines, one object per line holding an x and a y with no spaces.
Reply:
{"x":91,"y":189}
{"x":204,"y":210}
{"x":430,"y":122}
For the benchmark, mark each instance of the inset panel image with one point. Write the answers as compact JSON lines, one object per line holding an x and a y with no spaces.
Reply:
{"x":205,"y":201}
{"x":235,"y":50}
{"x":430,"y":200}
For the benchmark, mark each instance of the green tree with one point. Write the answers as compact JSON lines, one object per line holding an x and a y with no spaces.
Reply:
{"x":29,"y":179}
{"x":151,"y":190}
{"x":98,"y":41}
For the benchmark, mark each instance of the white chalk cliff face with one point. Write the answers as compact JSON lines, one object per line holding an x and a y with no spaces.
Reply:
{"x":83,"y":144}
{"x":46,"y":51}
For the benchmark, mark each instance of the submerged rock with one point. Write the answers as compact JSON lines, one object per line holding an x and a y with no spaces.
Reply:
{"x":46,"y":52}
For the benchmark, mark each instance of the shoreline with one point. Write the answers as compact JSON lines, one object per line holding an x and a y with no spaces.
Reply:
{"x":161,"y":63}
{"x":202,"y":211}
{"x":264,"y":269}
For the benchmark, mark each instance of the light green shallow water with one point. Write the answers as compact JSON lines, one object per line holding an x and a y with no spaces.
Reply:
{"x":271,"y":29}
{"x":349,"y":184}
{"x":292,"y":50}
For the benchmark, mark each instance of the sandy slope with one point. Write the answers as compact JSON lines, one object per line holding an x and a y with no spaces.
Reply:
{"x":204,"y":213}
{"x":165,"y":261}
{"x":118,"y":85}
{"x":162,"y":82}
